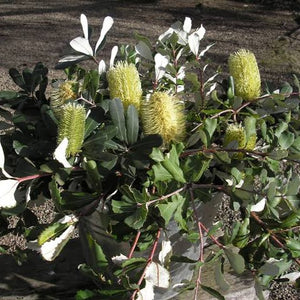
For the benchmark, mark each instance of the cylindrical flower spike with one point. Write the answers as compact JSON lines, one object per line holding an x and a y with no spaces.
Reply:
{"x":64,"y":92}
{"x":163,"y":114}
{"x":244,"y":70}
{"x":235,"y":133}
{"x":124,"y":83}
{"x":72,"y":126}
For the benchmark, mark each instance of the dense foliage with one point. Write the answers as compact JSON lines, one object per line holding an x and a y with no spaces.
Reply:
{"x":130,"y":151}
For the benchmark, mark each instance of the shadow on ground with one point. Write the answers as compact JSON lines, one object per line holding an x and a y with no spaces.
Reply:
{"x":38,"y":279}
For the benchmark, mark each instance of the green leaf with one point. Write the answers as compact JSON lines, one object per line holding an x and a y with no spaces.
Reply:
{"x":76,"y":200}
{"x":117,"y":114}
{"x":132,"y":124}
{"x":191,"y":173}
{"x":281,"y":128}
{"x":212,"y":292}
{"x":94,"y":119}
{"x":147,"y":143}
{"x":157,"y":155}
{"x":293,"y":185}
{"x":236,"y":261}
{"x":293,"y":244}
{"x":97,"y":256}
{"x":84,"y":294}
{"x":17,"y":78}
{"x":210,"y":126}
{"x":55,"y":193}
{"x":168,"y":209}
{"x":138,"y":218}
{"x":270,"y":269}
{"x":9,"y":95}
{"x":51,"y":232}
{"x":219,"y":276}
{"x":160,"y":173}
{"x":103,"y":135}
{"x":286,"y":139}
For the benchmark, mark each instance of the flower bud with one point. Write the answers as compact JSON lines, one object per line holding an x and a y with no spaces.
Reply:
{"x":235,"y":133}
{"x":163,"y":114}
{"x":64,"y":92}
{"x":244,"y":70}
{"x":124,"y":83}
{"x":72,"y":126}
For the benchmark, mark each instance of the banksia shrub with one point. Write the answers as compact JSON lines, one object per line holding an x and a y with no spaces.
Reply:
{"x":163,"y":114}
{"x":244,"y":70}
{"x":64,"y":92}
{"x":124,"y":83}
{"x":71,"y":126}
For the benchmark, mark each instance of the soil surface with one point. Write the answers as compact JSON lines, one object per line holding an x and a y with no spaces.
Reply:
{"x":33,"y":31}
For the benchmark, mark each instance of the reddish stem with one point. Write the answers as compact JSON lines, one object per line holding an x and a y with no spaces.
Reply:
{"x":31,"y":177}
{"x":149,"y":261}
{"x":134,"y":244}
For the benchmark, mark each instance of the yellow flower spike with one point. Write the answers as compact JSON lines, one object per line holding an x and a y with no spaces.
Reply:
{"x":251,"y":143}
{"x":64,"y":92}
{"x":244,"y":70}
{"x":236,"y":133}
{"x":163,"y":114}
{"x":72,"y":126}
{"x":124,"y":83}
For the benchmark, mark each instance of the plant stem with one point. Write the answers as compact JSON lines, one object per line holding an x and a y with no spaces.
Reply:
{"x":149,"y":261}
{"x":31,"y":177}
{"x":163,"y":197}
{"x":201,"y":255}
{"x":134,"y":244}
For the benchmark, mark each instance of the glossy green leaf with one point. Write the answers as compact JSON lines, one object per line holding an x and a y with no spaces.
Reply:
{"x":116,"y":110}
{"x":212,"y":292}
{"x":51,"y":232}
{"x":219,"y":276}
{"x":132,"y":124}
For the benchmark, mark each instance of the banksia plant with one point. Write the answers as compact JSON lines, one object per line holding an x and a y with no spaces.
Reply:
{"x":72,"y":126}
{"x":244,"y":70}
{"x":60,"y":95}
{"x":163,"y":114}
{"x":124,"y":83}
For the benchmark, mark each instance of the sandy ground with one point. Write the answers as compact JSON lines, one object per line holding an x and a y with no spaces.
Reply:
{"x":32,"y":31}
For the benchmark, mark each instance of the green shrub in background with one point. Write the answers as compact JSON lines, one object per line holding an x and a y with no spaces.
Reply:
{"x":130,"y":150}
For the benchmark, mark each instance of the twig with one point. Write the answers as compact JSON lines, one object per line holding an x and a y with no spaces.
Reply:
{"x":149,"y":261}
{"x":201,"y":255}
{"x":134,"y":244}
{"x":163,"y":197}
{"x":31,"y":177}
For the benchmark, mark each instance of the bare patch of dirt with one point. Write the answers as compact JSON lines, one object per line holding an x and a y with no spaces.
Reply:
{"x":32,"y":31}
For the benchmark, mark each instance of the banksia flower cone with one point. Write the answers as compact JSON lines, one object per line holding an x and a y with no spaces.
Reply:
{"x":163,"y":114}
{"x":124,"y":83}
{"x":72,"y":126}
{"x":64,"y":92}
{"x":244,"y":70}
{"x":235,"y":133}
